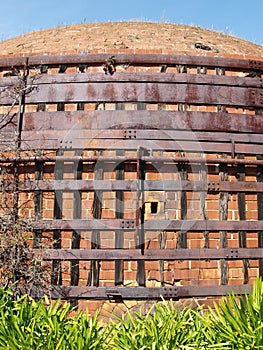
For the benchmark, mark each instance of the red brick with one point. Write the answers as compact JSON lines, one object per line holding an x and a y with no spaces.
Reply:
{"x":130,"y":276}
{"x":91,"y":305}
{"x":201,"y":264}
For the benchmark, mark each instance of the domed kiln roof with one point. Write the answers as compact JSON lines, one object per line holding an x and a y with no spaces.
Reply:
{"x":126,"y":36}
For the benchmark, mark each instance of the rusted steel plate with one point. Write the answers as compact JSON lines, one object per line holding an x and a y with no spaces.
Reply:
{"x":167,"y":160}
{"x":99,"y":120}
{"x":119,"y":293}
{"x":150,"y":225}
{"x":246,"y":186}
{"x":201,"y":225}
{"x":150,"y":144}
{"x":149,"y":254}
{"x":10,"y":83}
{"x":143,"y":92}
{"x":8,"y":121}
{"x":133,"y":144}
{"x":79,"y":185}
{"x":144,"y":59}
{"x":142,"y":77}
{"x":10,"y":62}
{"x":133,"y":59}
{"x":248,"y":148}
{"x":134,"y":185}
{"x":140,"y":134}
{"x":92,"y":224}
{"x":221,"y":186}
{"x":44,"y":144}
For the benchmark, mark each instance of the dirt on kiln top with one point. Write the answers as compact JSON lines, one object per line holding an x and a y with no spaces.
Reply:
{"x":139,"y":37}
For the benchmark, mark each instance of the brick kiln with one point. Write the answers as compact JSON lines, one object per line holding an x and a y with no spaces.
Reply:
{"x":136,"y":153}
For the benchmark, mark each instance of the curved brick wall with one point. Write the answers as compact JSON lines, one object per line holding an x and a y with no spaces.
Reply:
{"x":134,"y":37}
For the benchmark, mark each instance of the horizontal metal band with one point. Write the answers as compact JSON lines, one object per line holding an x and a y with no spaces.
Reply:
{"x":69,"y":137}
{"x":149,"y":159}
{"x":142,"y":120}
{"x":150,"y":225}
{"x":142,"y":92}
{"x":119,"y":293}
{"x":143,"y":77}
{"x":195,"y":146}
{"x":133,"y":59}
{"x":149,"y":254}
{"x":135,"y":185}
{"x":151,"y":92}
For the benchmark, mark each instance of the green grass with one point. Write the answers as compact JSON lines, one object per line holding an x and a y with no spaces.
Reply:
{"x":29,"y":324}
{"x":235,"y":323}
{"x":238,"y":320}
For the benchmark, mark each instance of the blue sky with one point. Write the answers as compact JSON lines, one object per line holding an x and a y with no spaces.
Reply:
{"x":241,"y":18}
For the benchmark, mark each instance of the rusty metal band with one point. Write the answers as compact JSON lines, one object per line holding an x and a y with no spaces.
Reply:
{"x":150,"y":254}
{"x":134,"y":185}
{"x":133,"y":59}
{"x":119,"y":293}
{"x":150,"y":225}
{"x":192,"y":160}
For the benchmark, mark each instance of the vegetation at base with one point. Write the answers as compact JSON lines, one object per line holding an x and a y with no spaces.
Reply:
{"x":29,"y":324}
{"x":235,"y":323}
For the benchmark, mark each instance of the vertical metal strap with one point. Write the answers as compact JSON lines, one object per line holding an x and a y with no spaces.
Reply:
{"x":241,"y":199}
{"x":139,"y":239}
{"x":119,"y":214}
{"x":161,"y":235}
{"x":20,"y":114}
{"x":161,"y":245}
{"x":221,"y":71}
{"x":223,"y":198}
{"x":259,"y":112}
{"x":21,"y":104}
{"x":93,"y":278}
{"x":21,"y":109}
{"x":140,"y":211}
{"x":76,"y":234}
{"x":119,"y":239}
{"x":223,"y":212}
{"x":56,"y":277}
{"x":182,"y":69}
{"x":260,"y":212}
{"x":161,"y":106}
{"x":182,"y":235}
{"x":77,"y":205}
{"x":37,"y":238}
{"x":39,"y":167}
{"x":141,"y":106}
{"x":41,"y":107}
{"x":203,"y":177}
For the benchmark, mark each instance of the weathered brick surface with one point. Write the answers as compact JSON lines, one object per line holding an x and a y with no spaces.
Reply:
{"x":127,"y":37}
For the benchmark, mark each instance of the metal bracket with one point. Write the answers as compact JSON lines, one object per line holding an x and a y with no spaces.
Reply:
{"x":255,"y":64}
{"x":126,"y":224}
{"x":113,"y":295}
{"x":256,"y":97}
{"x":170,"y":292}
{"x":213,"y":186}
{"x":129,"y":134}
{"x":233,"y":149}
{"x":65,"y":144}
{"x":233,"y":254}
